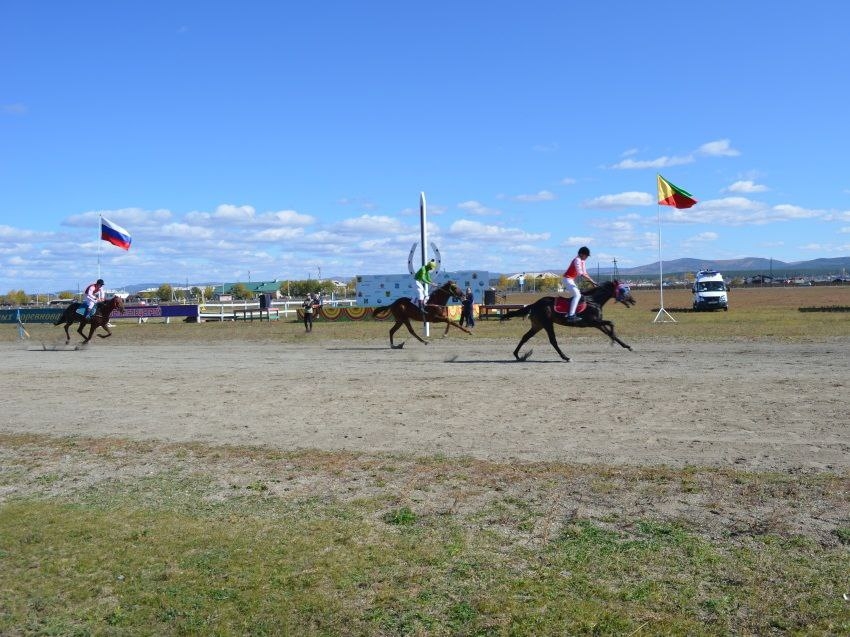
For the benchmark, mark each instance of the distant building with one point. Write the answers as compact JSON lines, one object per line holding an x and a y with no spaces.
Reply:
{"x":256,"y":288}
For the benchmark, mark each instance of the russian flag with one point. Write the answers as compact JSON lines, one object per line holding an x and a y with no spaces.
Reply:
{"x":115,"y":234}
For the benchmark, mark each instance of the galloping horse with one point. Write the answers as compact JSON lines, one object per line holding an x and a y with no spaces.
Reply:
{"x":543,"y":315}
{"x":404,"y":310}
{"x":100,"y":318}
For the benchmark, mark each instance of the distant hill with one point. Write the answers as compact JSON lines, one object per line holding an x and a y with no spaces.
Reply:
{"x":753,"y":265}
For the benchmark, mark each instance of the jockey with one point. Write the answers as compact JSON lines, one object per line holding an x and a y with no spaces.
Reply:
{"x":93,"y":294}
{"x":423,"y":280}
{"x":577,"y":269}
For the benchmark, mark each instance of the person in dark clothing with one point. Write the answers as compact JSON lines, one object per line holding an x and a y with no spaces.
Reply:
{"x":309,"y":306}
{"x":467,"y":309}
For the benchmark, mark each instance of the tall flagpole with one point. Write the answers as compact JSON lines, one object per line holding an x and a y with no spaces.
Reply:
{"x":663,"y":315}
{"x":99,"y":226}
{"x":423,"y":242}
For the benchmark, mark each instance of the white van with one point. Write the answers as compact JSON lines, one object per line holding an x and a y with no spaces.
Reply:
{"x":710,"y":291}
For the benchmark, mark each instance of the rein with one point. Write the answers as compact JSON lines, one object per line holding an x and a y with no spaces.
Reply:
{"x":447,"y":292}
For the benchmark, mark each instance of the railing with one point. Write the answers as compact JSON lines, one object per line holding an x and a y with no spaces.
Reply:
{"x":285,"y":309}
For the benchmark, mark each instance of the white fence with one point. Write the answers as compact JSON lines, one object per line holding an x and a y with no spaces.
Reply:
{"x":285,"y":309}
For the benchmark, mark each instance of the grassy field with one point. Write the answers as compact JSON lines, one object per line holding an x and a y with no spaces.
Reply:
{"x":755,"y":313}
{"x":112,"y":537}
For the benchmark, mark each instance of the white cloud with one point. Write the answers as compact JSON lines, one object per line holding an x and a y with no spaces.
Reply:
{"x":15,"y":109}
{"x":8,"y":233}
{"x":129,"y":218}
{"x":234,"y":214}
{"x":621,"y":233}
{"x":475,"y":208}
{"x":746,"y":186}
{"x":474,"y":229}
{"x":372,"y":224}
{"x":619,"y":201}
{"x":738,"y":211}
{"x":719,"y":148}
{"x":702,"y":237}
{"x":287,"y":218}
{"x":660,"y":162}
{"x":185,"y":231}
{"x":279,"y":234}
{"x":543,"y":195}
{"x":568,"y":181}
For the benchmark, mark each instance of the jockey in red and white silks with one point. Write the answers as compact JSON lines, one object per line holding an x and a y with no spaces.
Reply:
{"x":93,"y":294}
{"x":574,"y":271}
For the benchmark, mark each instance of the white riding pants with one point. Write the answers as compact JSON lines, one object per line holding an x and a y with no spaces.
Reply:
{"x":421,"y":289}
{"x":571,"y":287}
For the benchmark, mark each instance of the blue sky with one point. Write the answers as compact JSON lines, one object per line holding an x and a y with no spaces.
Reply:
{"x":287,"y":140}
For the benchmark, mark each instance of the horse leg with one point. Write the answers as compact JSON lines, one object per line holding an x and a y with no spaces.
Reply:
{"x":534,"y":329}
{"x":108,"y":331}
{"x":550,"y":330}
{"x":67,"y":335}
{"x":413,"y":332}
{"x":451,"y":323}
{"x":608,"y":328}
{"x":393,"y":330}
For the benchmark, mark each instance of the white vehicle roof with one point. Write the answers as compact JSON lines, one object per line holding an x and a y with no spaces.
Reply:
{"x":709,"y":274}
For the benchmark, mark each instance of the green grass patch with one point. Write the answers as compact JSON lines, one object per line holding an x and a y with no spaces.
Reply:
{"x":220,"y":541}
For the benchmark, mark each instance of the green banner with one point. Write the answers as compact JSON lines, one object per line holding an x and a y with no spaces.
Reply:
{"x":31,"y":315}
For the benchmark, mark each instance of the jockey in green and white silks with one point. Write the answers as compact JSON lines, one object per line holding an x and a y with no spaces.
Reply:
{"x":423,"y":280}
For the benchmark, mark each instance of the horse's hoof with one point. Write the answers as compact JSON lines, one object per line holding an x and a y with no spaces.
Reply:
{"x":399,"y":346}
{"x":525,"y":356}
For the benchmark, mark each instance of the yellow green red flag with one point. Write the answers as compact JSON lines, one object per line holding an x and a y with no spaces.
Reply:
{"x":670,"y":195}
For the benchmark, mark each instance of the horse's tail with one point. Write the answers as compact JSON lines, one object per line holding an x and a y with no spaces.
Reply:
{"x":523,"y":312}
{"x":381,"y":312}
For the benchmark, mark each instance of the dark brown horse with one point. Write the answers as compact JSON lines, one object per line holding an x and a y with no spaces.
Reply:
{"x":405,"y":310}
{"x":100,"y":318}
{"x":543,"y":315}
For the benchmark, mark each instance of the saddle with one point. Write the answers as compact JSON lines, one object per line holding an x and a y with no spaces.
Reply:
{"x":82,"y":310}
{"x":562,"y":305}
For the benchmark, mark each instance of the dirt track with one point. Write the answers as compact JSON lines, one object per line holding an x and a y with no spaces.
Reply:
{"x":758,"y":406}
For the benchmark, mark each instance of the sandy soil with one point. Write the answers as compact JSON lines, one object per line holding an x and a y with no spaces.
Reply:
{"x":758,"y":406}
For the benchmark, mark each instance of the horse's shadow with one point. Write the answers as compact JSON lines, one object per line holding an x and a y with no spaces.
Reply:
{"x":510,"y":361}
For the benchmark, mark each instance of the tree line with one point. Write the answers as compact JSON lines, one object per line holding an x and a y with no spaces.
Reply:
{"x":166,"y":293}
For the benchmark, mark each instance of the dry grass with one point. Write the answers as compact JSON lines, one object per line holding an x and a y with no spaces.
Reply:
{"x":755,"y":313}
{"x":118,"y":537}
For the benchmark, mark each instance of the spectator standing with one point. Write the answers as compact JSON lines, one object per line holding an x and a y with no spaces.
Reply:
{"x":309,"y":306}
{"x":467,"y":309}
